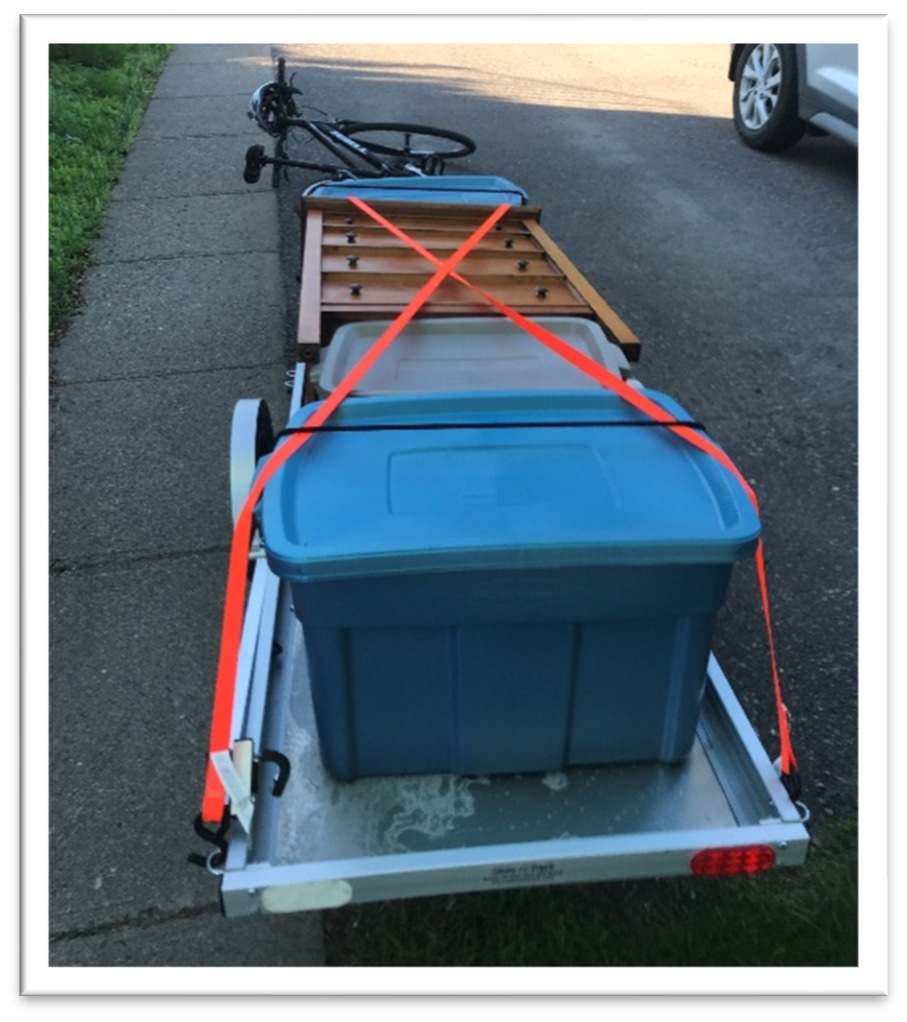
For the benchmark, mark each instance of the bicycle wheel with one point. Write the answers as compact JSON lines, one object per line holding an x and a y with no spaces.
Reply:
{"x":408,"y":141}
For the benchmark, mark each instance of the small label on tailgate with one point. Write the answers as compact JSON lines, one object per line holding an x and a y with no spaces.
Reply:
{"x":523,"y":874}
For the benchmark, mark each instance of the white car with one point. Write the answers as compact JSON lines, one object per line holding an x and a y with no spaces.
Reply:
{"x":782,"y":90}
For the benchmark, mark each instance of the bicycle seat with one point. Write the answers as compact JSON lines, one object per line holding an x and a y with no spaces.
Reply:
{"x":477,"y":189}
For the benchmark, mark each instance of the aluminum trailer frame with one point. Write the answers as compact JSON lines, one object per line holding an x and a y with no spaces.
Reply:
{"x":324,"y":843}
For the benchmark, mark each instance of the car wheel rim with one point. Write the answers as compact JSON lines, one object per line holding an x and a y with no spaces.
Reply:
{"x":760,"y":85}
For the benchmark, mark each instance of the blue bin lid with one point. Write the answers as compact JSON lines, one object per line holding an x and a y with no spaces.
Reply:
{"x":478,"y":189}
{"x":356,"y":504}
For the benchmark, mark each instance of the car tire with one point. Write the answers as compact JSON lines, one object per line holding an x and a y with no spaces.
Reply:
{"x":765,"y":97}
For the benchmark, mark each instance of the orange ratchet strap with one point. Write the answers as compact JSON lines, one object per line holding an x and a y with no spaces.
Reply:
{"x":633,"y":397}
{"x":221,"y":737}
{"x":234,"y":602}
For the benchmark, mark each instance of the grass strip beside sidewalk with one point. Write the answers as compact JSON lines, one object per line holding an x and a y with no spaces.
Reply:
{"x":797,"y":917}
{"x":98,"y":96}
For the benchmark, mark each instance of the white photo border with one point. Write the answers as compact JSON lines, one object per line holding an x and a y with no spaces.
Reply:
{"x":871,"y":32}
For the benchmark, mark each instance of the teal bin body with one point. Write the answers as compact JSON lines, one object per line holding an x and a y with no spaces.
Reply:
{"x":501,"y":597}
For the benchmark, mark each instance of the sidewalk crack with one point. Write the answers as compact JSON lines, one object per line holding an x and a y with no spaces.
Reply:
{"x":185,"y":255}
{"x":61,"y":566}
{"x":191,"y":195}
{"x":205,"y":134}
{"x":166,"y":373}
{"x":151,"y":916}
{"x":202,"y":95}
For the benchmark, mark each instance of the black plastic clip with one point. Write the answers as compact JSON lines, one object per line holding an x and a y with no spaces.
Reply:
{"x":792,"y":784}
{"x":216,"y":837}
{"x":283,"y":770}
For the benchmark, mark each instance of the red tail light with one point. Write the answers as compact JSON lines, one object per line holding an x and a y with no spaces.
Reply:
{"x":725,"y":862}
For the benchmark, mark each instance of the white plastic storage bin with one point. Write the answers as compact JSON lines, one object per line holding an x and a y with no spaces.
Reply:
{"x":468,"y":353}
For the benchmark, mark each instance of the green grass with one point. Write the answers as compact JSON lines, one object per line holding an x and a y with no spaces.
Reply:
{"x":805,"y":916}
{"x":98,"y":95}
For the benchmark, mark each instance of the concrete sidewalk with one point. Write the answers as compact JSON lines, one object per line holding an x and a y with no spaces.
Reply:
{"x":184,"y":313}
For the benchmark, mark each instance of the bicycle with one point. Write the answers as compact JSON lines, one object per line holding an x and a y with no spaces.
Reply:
{"x":385,"y":147}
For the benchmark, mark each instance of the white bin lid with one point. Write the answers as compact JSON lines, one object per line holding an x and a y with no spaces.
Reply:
{"x":468,"y":353}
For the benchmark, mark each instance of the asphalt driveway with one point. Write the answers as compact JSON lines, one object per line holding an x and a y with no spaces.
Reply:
{"x":738,"y":271}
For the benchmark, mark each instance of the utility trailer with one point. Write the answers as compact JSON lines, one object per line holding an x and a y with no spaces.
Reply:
{"x":321,"y":843}
{"x":295,"y":839}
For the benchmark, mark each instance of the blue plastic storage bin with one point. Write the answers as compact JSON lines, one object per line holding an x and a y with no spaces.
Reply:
{"x":504,"y":599}
{"x":478,"y":189}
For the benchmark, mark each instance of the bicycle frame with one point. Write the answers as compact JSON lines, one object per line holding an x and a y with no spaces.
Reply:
{"x":330,"y":134}
{"x":338,"y":144}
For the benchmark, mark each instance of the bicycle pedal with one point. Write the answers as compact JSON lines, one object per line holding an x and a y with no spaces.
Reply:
{"x":254,"y":162}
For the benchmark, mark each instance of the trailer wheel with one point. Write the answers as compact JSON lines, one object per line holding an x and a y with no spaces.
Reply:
{"x":251,"y":438}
